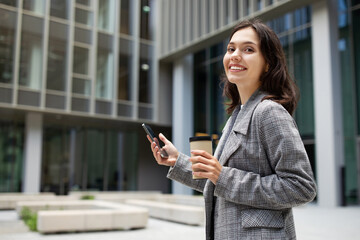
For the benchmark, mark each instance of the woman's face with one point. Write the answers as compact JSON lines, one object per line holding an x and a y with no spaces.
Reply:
{"x":243,"y":61}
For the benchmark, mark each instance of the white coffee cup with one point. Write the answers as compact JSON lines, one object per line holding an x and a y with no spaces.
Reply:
{"x":201,"y":143}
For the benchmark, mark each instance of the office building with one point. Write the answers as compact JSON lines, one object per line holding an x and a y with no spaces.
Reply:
{"x":78,"y":77}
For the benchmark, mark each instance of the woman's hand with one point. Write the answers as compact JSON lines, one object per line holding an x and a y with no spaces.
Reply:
{"x":205,"y":165}
{"x":169,"y":148}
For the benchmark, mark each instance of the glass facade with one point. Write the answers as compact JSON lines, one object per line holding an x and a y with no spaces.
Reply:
{"x":11,"y":155}
{"x":70,"y":66}
{"x":79,"y":60}
{"x":209,"y":110}
{"x":349,"y":23}
{"x":78,"y":158}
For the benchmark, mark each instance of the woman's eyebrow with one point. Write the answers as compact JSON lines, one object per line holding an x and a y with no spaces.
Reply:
{"x":247,"y":42}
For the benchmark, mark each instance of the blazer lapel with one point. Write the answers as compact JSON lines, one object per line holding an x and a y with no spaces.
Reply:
{"x":240,"y":126}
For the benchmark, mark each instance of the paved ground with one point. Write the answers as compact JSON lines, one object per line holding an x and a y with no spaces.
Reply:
{"x":312,"y":223}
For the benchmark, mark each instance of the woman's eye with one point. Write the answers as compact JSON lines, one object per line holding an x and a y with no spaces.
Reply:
{"x":231,"y":49}
{"x":248,"y":50}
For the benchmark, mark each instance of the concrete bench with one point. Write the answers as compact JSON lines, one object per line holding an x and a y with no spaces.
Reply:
{"x":84,"y":215}
{"x":9,"y":200}
{"x":182,"y":199}
{"x":118,"y":196}
{"x":191,"y":215}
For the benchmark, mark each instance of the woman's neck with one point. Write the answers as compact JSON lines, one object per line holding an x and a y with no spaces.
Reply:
{"x":246,"y":92}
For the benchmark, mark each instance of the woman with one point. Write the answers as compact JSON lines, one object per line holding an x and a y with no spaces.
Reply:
{"x":260,"y":169}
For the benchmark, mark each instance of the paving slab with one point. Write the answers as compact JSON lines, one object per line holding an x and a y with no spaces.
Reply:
{"x":312,"y":223}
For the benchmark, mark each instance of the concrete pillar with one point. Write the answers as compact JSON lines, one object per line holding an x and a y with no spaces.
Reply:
{"x":33,"y":152}
{"x":327,"y":100}
{"x":182,"y":111}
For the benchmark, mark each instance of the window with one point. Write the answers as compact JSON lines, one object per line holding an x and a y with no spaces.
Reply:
{"x":56,"y":62}
{"x":81,"y":60}
{"x":36,"y":6}
{"x":59,"y":9}
{"x":105,"y":67}
{"x":125,"y":17}
{"x":145,"y":73}
{"x":7,"y":46}
{"x":31,"y":53}
{"x":146,"y":21}
{"x":84,"y":17}
{"x":106,"y":15}
{"x":125,"y":70}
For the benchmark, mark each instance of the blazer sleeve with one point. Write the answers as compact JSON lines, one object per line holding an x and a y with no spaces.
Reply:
{"x":291,"y":182}
{"x":182,"y":172}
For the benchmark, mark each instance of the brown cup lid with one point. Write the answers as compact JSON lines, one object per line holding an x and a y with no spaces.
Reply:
{"x":200,"y":138}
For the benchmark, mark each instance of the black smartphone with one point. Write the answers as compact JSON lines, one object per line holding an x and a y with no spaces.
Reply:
{"x":152,"y":135}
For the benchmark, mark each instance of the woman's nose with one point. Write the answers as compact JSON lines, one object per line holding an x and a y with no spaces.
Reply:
{"x":236,"y":56}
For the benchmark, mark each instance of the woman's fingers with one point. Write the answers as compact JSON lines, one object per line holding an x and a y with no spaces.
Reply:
{"x":205,"y":165}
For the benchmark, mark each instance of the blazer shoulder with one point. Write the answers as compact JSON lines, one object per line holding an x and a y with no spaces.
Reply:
{"x":270,"y":109}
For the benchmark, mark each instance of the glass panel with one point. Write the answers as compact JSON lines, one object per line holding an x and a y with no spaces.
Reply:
{"x":81,"y":86}
{"x":59,"y":9}
{"x":259,"y":5}
{"x":7,"y":46}
{"x":81,"y":60}
{"x":303,"y":75}
{"x":146,"y":18}
{"x":145,"y":73}
{"x":11,"y":155}
{"x":348,"y":103}
{"x":95,"y":157}
{"x":55,"y":161}
{"x":56,"y":65}
{"x":83,"y":35}
{"x":34,"y":5}
{"x":200,"y":82}
{"x":217,"y":108}
{"x":113,"y":164}
{"x":125,"y":73}
{"x":83,"y":17}
{"x":356,"y":36}
{"x":131,"y":161}
{"x":106,"y":15}
{"x":208,"y":100}
{"x":125,"y":17}
{"x":105,"y":67}
{"x":83,"y":2}
{"x":9,"y":2}
{"x":31,"y":53}
{"x":301,"y":17}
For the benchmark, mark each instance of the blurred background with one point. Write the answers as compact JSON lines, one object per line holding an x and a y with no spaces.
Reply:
{"x":78,"y":77}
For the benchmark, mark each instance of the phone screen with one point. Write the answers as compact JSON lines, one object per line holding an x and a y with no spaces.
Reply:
{"x":152,"y":135}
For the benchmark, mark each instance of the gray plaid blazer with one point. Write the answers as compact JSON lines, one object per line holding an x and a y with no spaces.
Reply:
{"x":266,"y":172}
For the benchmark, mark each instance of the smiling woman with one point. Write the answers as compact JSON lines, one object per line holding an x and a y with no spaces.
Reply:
{"x":260,"y":169}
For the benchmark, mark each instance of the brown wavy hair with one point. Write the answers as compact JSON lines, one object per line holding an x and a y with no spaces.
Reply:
{"x":276,"y":82}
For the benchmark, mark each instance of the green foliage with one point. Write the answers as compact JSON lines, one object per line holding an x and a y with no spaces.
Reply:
{"x":87,"y":197}
{"x":29,"y":218}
